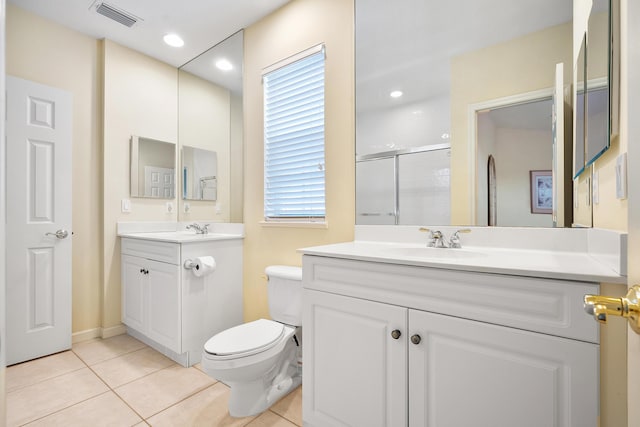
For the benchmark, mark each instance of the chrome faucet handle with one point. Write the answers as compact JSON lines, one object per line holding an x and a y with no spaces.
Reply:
{"x":205,"y":229}
{"x":454,"y":241}
{"x":432,"y":241}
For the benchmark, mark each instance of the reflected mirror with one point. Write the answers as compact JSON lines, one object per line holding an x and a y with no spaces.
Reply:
{"x":210,"y":133}
{"x":431,"y":73}
{"x":153,"y":164}
{"x":199,"y":168}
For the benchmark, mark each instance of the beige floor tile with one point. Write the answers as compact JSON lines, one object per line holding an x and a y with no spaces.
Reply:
{"x":34,"y":371}
{"x":105,"y":410}
{"x":269,"y":419}
{"x":93,"y":352}
{"x":156,"y":392}
{"x":290,"y":406}
{"x":131,"y":366}
{"x":206,"y":408}
{"x":38,"y":400}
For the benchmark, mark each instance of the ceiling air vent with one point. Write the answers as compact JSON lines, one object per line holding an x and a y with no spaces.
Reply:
{"x":116,"y":14}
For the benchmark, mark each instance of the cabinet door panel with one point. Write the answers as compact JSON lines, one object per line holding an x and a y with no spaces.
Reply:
{"x":354,"y":371}
{"x":465,"y":373}
{"x":133,"y":282}
{"x":164,"y":304}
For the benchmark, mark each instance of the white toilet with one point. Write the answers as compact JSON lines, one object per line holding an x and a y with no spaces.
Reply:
{"x":261,"y":360}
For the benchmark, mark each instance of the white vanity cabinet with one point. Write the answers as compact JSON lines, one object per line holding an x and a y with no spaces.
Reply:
{"x":151,"y":299}
{"x":166,"y":306}
{"x":395,"y":345}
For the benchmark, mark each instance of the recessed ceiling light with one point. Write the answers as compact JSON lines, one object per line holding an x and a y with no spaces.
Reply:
{"x":396,"y":94}
{"x":174,"y":40}
{"x":224,"y":65}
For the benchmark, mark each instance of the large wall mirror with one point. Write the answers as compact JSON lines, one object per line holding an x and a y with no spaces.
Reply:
{"x":153,"y":168}
{"x":431,"y":76}
{"x":210,"y":133}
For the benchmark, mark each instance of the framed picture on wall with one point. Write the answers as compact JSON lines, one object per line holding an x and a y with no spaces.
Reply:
{"x":541,"y":192}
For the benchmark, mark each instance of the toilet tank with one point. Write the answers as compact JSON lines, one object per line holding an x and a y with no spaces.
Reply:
{"x":284,"y":289}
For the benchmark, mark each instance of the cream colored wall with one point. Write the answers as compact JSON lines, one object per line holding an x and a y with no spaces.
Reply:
{"x":481,"y":76}
{"x":293,"y":28}
{"x":205,"y":122}
{"x":518,"y":151}
{"x":140,"y":98}
{"x":47,"y":53}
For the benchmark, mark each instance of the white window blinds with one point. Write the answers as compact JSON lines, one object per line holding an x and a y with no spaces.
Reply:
{"x":294,"y":139}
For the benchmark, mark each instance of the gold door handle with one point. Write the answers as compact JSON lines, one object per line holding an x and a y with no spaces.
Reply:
{"x":628,"y":306}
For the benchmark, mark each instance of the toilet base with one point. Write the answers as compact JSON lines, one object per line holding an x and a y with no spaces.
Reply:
{"x":252,"y":398}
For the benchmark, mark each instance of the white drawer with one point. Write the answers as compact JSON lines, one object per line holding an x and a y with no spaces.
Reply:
{"x":158,"y":251}
{"x":548,"y":306}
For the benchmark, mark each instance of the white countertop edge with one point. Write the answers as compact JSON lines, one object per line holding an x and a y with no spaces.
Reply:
{"x":126,"y":227}
{"x":579,"y":266}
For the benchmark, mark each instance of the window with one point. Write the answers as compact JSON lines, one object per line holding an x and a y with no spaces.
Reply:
{"x":294,"y":178}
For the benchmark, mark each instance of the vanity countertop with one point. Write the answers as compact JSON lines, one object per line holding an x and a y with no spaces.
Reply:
{"x":565,"y":265}
{"x":180,"y":236}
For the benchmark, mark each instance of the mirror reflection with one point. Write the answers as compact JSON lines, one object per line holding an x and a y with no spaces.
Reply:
{"x":153,"y":165}
{"x":431,"y":73}
{"x":199,"y":168}
{"x":210,"y":132}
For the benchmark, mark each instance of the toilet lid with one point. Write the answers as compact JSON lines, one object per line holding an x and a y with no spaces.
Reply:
{"x":249,"y":338}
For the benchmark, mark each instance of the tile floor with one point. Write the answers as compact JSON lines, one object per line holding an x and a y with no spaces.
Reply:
{"x":122,"y":382}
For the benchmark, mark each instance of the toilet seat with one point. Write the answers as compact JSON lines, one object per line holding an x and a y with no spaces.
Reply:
{"x":246,"y":339}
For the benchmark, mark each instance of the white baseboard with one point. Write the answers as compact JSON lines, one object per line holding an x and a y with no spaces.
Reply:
{"x":90,"y":334}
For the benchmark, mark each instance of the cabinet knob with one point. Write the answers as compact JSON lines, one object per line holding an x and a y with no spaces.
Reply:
{"x":142,"y":270}
{"x":416,"y":339}
{"x":395,"y":334}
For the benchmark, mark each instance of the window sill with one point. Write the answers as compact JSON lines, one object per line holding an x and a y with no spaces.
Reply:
{"x":295,"y":224}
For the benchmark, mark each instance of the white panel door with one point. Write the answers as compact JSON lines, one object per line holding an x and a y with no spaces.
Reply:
{"x":38,"y":220}
{"x":468,"y":373}
{"x":355,"y":371}
{"x":134,"y":279}
{"x":164,"y":304}
{"x":159,"y":182}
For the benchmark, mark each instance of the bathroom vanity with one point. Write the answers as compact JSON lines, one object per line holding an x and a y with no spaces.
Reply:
{"x":398,"y":334}
{"x":165,"y":304}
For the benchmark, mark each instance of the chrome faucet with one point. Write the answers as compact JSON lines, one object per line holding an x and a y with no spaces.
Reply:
{"x":454,"y":241}
{"x":437,"y":240}
{"x":204,"y":229}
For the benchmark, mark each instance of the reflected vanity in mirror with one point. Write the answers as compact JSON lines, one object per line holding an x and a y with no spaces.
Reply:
{"x":199,"y":168}
{"x":439,"y":73}
{"x":210,"y":133}
{"x":153,"y":172}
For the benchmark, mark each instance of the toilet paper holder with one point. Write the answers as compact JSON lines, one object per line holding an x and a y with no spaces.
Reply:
{"x":189,"y":264}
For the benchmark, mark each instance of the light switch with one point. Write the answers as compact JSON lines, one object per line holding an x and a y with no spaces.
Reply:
{"x":186,"y":207}
{"x":126,"y":205}
{"x":621,"y":176}
{"x":169,"y":207}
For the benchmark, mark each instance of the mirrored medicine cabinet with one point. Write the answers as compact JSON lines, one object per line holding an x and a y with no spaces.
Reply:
{"x":153,"y":168}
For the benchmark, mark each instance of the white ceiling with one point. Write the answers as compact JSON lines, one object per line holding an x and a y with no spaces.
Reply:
{"x":201,"y":23}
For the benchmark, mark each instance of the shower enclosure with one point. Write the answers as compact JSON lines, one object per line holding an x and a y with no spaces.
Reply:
{"x":406,"y":187}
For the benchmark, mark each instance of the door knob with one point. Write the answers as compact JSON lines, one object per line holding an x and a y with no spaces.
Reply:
{"x":416,"y":339}
{"x":60,"y":234}
{"x":628,"y":306}
{"x":395,"y":334}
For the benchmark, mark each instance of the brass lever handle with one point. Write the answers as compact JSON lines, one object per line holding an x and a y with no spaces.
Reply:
{"x":628,"y":306}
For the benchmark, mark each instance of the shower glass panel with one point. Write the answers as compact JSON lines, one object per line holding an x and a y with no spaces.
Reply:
{"x":424,"y":187}
{"x":376,"y":201}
